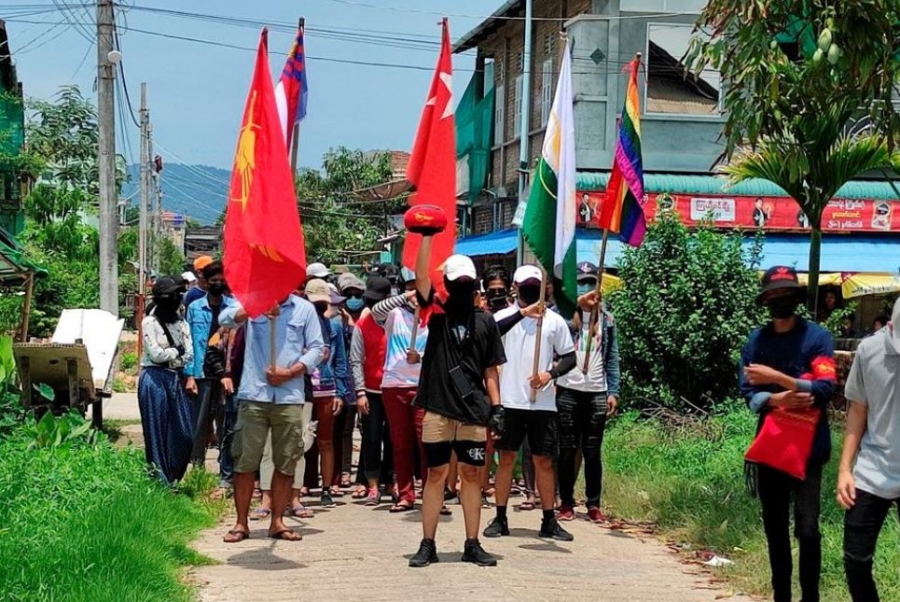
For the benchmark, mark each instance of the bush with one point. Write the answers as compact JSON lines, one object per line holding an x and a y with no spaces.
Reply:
{"x":83,"y":521}
{"x":685,"y":309}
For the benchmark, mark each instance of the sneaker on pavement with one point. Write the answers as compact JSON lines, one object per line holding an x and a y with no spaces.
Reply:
{"x":566,"y":513}
{"x":474,"y":553}
{"x":553,"y":530}
{"x":596,"y":516}
{"x":327,"y":500}
{"x":426,"y":555}
{"x":496,"y":528}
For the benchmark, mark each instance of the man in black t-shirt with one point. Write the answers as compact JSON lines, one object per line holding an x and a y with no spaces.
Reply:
{"x":459,"y":388}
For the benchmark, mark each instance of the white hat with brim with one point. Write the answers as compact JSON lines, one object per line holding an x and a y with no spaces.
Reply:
{"x":526,"y":273}
{"x":459,"y":266}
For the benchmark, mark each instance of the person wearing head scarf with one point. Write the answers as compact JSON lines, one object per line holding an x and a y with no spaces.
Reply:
{"x":166,"y":413}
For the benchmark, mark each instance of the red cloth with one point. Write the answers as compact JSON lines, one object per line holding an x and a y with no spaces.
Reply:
{"x":405,"y":423}
{"x":264,"y":249}
{"x":375,"y":343}
{"x":432,"y":165}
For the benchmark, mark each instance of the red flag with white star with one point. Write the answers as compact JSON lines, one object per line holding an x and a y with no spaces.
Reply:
{"x":265,"y":257}
{"x":432,"y":166}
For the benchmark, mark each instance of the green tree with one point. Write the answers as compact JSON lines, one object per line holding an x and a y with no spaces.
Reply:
{"x":171,"y":259}
{"x":686,"y":306}
{"x":337,"y":225}
{"x":807,"y":94}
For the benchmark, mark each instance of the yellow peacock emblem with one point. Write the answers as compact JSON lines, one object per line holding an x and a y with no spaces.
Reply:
{"x":245,"y":164}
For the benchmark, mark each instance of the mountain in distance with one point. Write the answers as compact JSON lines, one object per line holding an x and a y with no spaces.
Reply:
{"x":197,"y":191}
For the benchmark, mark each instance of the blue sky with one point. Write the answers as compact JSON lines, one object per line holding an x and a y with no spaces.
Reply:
{"x":197,"y":91}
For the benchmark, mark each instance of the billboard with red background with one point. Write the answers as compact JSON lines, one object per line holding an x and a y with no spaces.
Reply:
{"x":766,"y":212}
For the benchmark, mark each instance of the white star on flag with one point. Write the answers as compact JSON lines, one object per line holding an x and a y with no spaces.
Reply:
{"x":447,"y":80}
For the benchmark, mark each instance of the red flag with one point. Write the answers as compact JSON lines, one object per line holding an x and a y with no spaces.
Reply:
{"x":432,"y":166}
{"x":264,"y":252}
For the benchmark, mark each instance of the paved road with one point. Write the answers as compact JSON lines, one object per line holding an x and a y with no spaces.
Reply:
{"x":121,"y":406}
{"x":356,"y":553}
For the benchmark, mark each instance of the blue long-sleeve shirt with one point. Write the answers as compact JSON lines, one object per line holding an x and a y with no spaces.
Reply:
{"x":298,"y":339}
{"x":200,"y":319}
{"x":791,"y":353}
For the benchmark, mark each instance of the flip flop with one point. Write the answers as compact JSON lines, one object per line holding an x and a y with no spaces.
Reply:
{"x":526,"y":506}
{"x":236,"y":536}
{"x":359,"y":494}
{"x":336,"y":491}
{"x":401,"y":507}
{"x":260,"y":514}
{"x":286,"y":535}
{"x":301,"y":511}
{"x":445,"y":511}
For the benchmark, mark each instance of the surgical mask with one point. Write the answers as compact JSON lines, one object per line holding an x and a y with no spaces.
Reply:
{"x":586,"y":287}
{"x":355,"y":304}
{"x":217,"y":289}
{"x":530,"y":294}
{"x":781,"y":308}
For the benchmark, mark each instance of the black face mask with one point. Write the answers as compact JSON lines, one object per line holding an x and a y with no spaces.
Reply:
{"x":782,"y":308}
{"x":497,"y":299}
{"x":530,"y":294}
{"x":167,"y":309}
{"x":217,"y":289}
{"x":460,"y":295}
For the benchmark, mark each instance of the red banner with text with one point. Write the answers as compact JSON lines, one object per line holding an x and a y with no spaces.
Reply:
{"x":768,"y":213}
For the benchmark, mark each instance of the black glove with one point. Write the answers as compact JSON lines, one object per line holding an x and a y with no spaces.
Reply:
{"x":496,"y":420}
{"x":180,"y":350}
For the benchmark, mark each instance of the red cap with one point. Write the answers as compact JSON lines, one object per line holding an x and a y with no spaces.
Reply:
{"x":426,"y":220}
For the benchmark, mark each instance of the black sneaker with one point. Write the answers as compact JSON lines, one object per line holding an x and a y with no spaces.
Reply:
{"x":426,"y":555}
{"x":327,"y":500}
{"x":553,"y":530}
{"x":474,"y":553}
{"x":497,"y":527}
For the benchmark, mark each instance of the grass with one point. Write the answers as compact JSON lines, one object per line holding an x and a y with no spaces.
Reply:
{"x":691,"y":485}
{"x":84,"y":522}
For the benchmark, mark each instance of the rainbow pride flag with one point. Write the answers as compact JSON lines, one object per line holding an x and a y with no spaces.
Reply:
{"x":622,"y":210}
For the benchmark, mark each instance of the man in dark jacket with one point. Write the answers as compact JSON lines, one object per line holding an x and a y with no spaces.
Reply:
{"x":788,"y":364}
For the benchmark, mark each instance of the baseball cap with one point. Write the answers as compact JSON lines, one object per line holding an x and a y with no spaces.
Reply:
{"x":201,"y":262}
{"x":586,"y":271}
{"x":350,"y":281}
{"x":168,"y":285}
{"x":189,"y":277}
{"x":459,"y":266}
{"x":336,"y":298}
{"x":526,"y":273}
{"x":777,"y":278}
{"x":317,"y":290}
{"x":317,"y":270}
{"x":377,"y":289}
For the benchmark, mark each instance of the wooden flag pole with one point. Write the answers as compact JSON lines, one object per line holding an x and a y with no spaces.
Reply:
{"x":412,"y":355}
{"x":595,"y":311}
{"x":536,"y":365}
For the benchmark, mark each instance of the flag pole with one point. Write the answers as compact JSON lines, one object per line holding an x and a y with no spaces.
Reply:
{"x":412,"y":355}
{"x":595,"y":311}
{"x":536,"y":365}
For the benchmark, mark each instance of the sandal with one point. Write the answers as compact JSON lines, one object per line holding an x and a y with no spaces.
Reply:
{"x":304,"y":492}
{"x":345,"y":480}
{"x":260,"y":514}
{"x":373,"y":498}
{"x":286,"y":535}
{"x":301,"y":511}
{"x":236,"y":536}
{"x":360,"y":493}
{"x":402,"y":506}
{"x":445,"y":511}
{"x":336,"y":491}
{"x":526,"y":506}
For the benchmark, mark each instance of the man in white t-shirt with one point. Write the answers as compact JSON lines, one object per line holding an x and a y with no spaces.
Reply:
{"x":869,"y":489}
{"x":528,"y":399}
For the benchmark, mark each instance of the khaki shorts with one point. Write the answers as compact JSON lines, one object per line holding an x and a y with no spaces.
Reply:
{"x":254,"y":421}
{"x":440,"y":429}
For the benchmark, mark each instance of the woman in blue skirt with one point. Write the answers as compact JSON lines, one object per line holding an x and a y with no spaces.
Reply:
{"x":165,"y":407}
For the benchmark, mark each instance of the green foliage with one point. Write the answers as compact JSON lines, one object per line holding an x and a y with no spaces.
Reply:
{"x":83,"y":521}
{"x":690,"y":483}
{"x":808,"y":99}
{"x":337,"y":226}
{"x":171,"y":259}
{"x":686,"y":306}
{"x":11,"y":410}
{"x":129,"y":360}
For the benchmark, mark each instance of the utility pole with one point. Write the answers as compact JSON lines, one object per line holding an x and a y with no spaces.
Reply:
{"x":146,"y":160}
{"x":523,"y":131}
{"x":109,"y":224}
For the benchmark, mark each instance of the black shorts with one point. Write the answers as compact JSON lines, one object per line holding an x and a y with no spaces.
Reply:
{"x":538,"y":425}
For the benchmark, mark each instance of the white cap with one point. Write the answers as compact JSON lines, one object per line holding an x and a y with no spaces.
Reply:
{"x":189,"y":276}
{"x":317,"y":270}
{"x":528,"y":272}
{"x":459,"y":266}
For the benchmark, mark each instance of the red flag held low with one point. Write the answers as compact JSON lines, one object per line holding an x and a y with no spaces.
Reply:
{"x":432,"y":165}
{"x":264,"y":250}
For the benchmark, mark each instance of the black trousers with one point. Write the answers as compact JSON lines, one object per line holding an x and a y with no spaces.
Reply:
{"x":862,"y":525}
{"x":377,"y":452}
{"x":778,"y":491}
{"x":582,"y":419}
{"x":204,"y":405}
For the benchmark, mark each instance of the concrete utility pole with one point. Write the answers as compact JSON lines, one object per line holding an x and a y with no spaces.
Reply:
{"x":524,"y":126}
{"x":146,"y":160}
{"x":109,"y":224}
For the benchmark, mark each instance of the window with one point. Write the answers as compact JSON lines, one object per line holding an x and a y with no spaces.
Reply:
{"x":519,"y":105}
{"x":670,"y":87}
{"x":546,"y":91}
{"x":500,"y":115}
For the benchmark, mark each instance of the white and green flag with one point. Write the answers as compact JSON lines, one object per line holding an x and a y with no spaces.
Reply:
{"x":549,"y":223}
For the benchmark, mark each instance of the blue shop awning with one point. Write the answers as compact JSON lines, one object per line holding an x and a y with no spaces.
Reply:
{"x":840,"y":253}
{"x":494,"y":243}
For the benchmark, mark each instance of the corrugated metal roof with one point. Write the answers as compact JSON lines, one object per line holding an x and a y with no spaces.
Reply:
{"x":471,"y":39}
{"x":693,"y":184}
